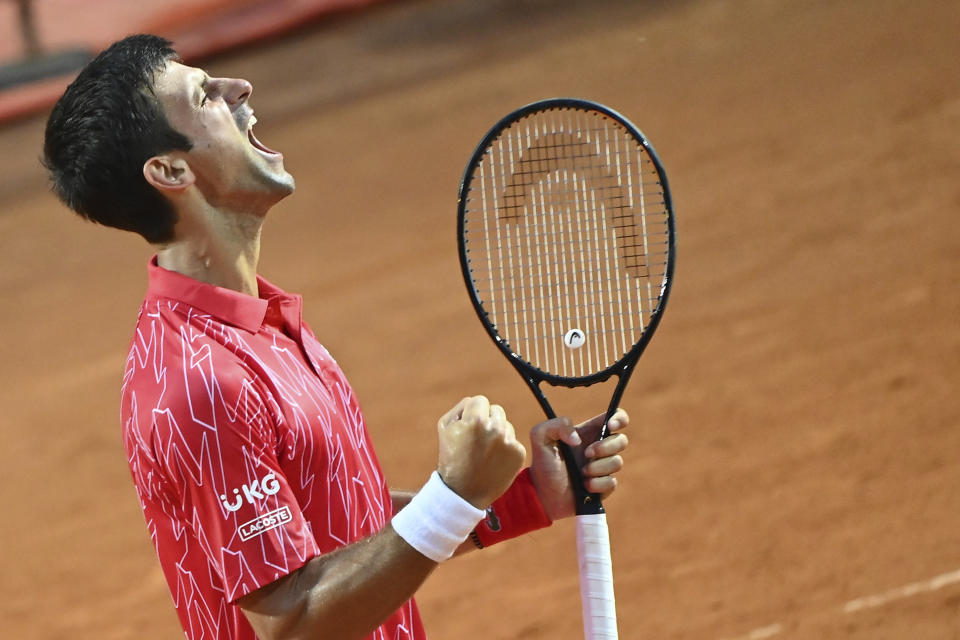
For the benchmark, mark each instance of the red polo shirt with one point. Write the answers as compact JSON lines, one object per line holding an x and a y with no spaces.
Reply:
{"x":247,"y":448}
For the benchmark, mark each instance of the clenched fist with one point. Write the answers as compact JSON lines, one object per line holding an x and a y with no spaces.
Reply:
{"x":479,"y":452}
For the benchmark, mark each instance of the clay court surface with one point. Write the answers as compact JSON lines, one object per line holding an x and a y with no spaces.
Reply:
{"x":793,"y":470}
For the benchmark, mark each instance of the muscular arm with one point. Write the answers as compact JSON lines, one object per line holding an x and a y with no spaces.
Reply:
{"x":349,"y":592}
{"x":346,"y":593}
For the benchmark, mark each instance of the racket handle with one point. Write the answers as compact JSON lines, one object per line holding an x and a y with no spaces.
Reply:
{"x":596,"y":578}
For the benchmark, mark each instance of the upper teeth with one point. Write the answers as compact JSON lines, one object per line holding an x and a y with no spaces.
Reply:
{"x":253,"y":120}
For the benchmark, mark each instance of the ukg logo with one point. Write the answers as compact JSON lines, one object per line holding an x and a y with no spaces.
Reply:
{"x":259,"y":489}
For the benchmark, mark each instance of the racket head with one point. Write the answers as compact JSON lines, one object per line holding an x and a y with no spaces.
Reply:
{"x":566,"y":239}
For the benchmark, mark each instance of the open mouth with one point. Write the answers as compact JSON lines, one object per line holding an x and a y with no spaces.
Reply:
{"x":259,"y":146}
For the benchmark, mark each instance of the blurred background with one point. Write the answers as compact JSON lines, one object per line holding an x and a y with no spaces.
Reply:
{"x":796,"y":425}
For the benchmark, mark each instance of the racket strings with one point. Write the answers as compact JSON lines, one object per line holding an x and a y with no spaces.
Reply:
{"x":638,"y":258}
{"x":566,"y":230}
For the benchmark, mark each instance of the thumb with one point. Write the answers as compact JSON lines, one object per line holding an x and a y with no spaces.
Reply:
{"x":546,"y":434}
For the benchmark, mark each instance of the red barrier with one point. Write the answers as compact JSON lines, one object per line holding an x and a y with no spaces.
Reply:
{"x":198,"y":28}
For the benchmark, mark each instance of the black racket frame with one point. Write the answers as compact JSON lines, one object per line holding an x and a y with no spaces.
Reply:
{"x":585,"y":502}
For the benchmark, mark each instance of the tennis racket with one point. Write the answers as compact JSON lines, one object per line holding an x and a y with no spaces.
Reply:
{"x":567,"y":245}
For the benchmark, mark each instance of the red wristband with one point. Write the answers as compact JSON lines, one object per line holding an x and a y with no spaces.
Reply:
{"x":516,"y":512}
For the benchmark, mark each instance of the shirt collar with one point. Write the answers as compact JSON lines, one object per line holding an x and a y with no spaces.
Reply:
{"x":232,"y":307}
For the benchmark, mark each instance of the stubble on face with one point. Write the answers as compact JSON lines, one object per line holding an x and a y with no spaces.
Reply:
{"x":233,"y":169}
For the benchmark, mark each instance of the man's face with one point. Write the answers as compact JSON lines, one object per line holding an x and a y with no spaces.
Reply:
{"x":233,"y":169}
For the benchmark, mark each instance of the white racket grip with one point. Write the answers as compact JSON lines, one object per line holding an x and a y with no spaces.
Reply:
{"x":596,"y":578}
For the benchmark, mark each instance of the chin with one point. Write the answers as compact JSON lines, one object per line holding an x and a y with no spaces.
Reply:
{"x":288,"y":185}
{"x":280,"y":183}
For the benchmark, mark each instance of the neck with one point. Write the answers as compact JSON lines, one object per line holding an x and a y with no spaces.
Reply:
{"x":219,"y":249}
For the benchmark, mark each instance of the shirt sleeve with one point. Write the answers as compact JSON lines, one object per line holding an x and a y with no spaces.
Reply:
{"x":215,"y":441}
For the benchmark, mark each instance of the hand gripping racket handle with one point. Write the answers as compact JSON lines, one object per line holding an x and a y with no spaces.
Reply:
{"x":596,"y":578}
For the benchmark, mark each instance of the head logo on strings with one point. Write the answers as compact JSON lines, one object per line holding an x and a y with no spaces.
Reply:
{"x":574,"y":339}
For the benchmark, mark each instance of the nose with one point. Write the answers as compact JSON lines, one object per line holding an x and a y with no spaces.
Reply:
{"x":235,"y":91}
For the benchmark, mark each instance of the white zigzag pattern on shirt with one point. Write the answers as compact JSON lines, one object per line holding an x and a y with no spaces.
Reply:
{"x":199,"y":455}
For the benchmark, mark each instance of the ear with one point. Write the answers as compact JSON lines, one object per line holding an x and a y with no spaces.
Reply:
{"x":168,"y":173}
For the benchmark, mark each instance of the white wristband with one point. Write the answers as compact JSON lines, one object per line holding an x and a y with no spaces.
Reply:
{"x":436,"y":521}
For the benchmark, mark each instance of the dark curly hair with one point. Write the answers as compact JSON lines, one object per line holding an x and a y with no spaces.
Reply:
{"x":103,"y":129}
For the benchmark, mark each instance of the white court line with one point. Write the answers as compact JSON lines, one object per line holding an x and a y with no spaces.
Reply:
{"x":762,"y":633}
{"x":912,"y":589}
{"x":870,"y":602}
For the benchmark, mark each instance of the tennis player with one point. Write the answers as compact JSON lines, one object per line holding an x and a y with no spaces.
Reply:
{"x":247,"y":447}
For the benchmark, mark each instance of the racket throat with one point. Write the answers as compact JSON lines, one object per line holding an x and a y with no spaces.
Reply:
{"x":584,"y":502}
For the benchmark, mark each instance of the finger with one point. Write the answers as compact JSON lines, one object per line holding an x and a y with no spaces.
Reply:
{"x":609,"y":446}
{"x":453,"y":414}
{"x":476,"y":409}
{"x":602,"y":467}
{"x":591,"y":429}
{"x":619,"y":420}
{"x":604,"y":485}
{"x":499,"y":421}
{"x":511,"y":436}
{"x":549,"y":432}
